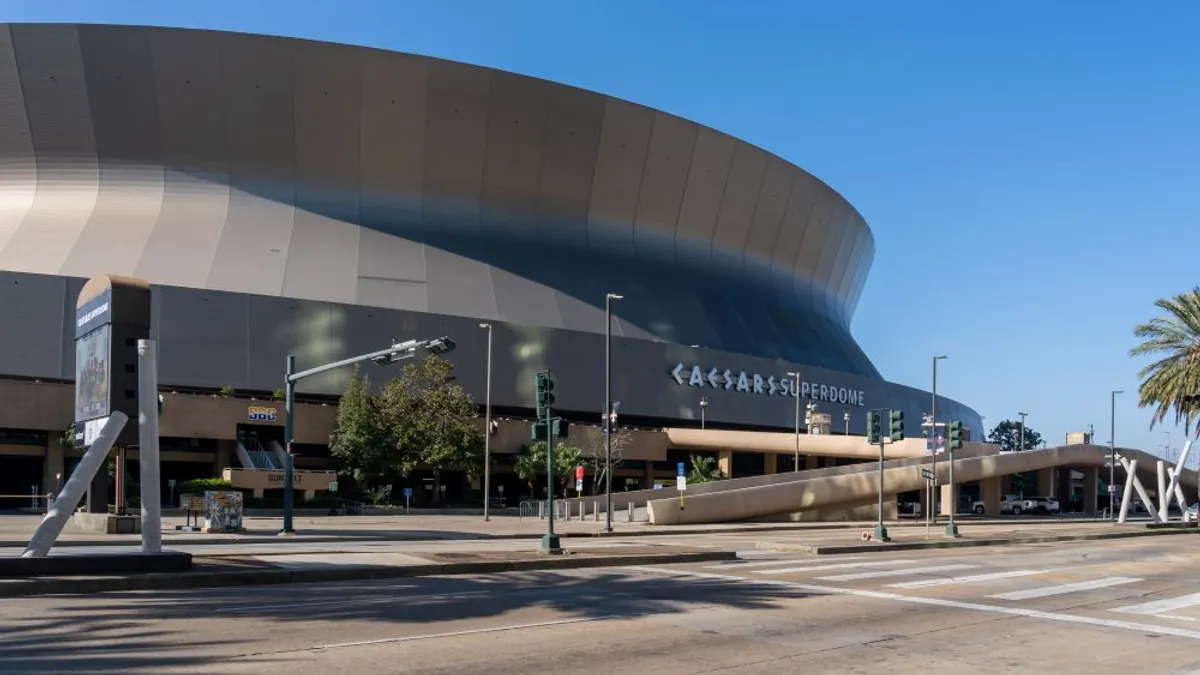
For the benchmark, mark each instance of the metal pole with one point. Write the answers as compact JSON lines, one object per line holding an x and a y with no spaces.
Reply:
{"x":608,"y":297}
{"x":1112,"y":453}
{"x":148,"y":454}
{"x":1021,"y":437}
{"x":487,"y":428}
{"x":796,"y":391}
{"x":703,"y":407}
{"x":881,"y":532}
{"x":289,"y":406}
{"x":931,"y":517}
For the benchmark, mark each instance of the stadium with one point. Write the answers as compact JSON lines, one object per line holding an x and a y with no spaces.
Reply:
{"x":285,"y":196}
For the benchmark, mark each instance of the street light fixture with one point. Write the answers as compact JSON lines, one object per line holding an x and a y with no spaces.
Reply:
{"x":608,"y":408}
{"x":487,"y":428}
{"x":933,"y":497}
{"x":703,"y":405}
{"x":846,"y":419}
{"x":1021,"y":437}
{"x":1112,"y":453}
{"x":796,"y":393}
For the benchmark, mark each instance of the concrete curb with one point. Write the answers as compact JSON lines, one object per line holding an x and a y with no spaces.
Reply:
{"x":266,"y":577}
{"x":817,"y":549}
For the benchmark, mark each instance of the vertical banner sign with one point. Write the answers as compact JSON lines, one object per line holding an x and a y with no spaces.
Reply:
{"x":111,"y":314}
{"x":579,"y":479}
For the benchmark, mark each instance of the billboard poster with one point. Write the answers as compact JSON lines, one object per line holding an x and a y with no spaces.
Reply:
{"x":92,"y":374}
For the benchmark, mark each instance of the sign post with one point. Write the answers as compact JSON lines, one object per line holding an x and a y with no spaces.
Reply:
{"x":407,"y":496}
{"x":680,"y":483}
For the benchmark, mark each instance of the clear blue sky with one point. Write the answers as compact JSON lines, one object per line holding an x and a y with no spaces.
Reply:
{"x":1029,"y":169}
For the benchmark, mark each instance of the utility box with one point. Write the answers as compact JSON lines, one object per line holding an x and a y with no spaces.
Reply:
{"x":1079,"y":438}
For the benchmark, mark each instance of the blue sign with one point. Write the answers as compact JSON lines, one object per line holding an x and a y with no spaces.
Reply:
{"x":407,"y":492}
{"x":679,"y":468}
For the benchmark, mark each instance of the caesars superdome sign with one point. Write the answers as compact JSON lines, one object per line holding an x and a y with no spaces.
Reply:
{"x":771,"y":385}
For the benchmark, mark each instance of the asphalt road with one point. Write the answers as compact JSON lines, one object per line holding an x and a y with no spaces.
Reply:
{"x":1117,"y":606}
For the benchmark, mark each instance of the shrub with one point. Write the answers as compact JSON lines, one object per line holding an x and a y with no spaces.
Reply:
{"x":227,"y":391}
{"x":198,"y":486}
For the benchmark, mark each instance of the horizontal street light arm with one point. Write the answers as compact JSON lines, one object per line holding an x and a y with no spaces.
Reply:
{"x":397,"y":352}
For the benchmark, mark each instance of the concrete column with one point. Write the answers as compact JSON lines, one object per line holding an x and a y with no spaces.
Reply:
{"x":725,"y":462}
{"x":811,"y":462}
{"x":990,"y":493}
{"x":949,"y":498}
{"x":1006,"y":485}
{"x":770,"y":463}
{"x":54,"y":466}
{"x":225,"y":453}
{"x":1063,"y":486}
{"x":1045,"y":483}
{"x":1091,"y":488}
{"x":648,"y":475}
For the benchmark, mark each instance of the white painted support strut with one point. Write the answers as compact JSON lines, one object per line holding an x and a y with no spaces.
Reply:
{"x":148,"y":454}
{"x":1174,"y":488}
{"x":1141,"y":490}
{"x":1129,"y":478}
{"x":1164,"y":497}
{"x":1177,"y":491}
{"x":68,"y":498}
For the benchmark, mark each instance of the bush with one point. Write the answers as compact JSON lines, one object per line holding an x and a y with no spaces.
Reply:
{"x":198,"y":486}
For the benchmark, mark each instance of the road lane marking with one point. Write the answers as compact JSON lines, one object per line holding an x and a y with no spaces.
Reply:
{"x":1061,"y":589}
{"x":1163,"y":606}
{"x":935,"y":602}
{"x":835,"y":566}
{"x":930,"y":583}
{"x":855,"y":576}
{"x":769,"y":562}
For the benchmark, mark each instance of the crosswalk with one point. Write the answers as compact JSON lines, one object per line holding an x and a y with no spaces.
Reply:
{"x":1090,"y":590}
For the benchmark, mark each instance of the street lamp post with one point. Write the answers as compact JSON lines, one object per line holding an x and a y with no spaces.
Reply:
{"x":703,"y":405}
{"x":608,"y":298}
{"x":1112,"y":452}
{"x":796,"y":393}
{"x":487,"y":427}
{"x":933,"y":498}
{"x":1021,"y":435}
{"x":397,"y":352}
{"x":846,"y":419}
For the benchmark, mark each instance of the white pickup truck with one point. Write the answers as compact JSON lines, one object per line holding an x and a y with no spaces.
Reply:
{"x":1018,"y":505}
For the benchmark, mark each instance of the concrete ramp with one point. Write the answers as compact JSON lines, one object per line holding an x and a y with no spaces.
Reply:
{"x":861,"y":486}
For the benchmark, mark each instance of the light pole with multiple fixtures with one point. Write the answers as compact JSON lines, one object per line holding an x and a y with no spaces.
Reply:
{"x":933,"y":438}
{"x":703,"y":405}
{"x":796,"y":393}
{"x":1021,"y":437}
{"x":487,"y":427}
{"x":608,"y":411}
{"x":846,"y":419}
{"x":1112,"y":453}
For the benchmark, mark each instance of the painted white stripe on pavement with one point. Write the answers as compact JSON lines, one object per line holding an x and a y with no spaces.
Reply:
{"x":935,"y":602}
{"x":1061,"y":589}
{"x":1162,"y":606}
{"x":760,"y":562}
{"x":477,"y":631}
{"x":835,"y":566}
{"x":930,"y":583}
{"x":347,"y":601}
{"x":896,"y":573}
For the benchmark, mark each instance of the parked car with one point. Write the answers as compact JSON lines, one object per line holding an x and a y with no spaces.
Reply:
{"x":1017,"y":505}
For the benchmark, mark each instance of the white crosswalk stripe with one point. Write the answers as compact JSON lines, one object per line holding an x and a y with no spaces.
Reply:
{"x":1062,"y":589}
{"x":896,"y":573}
{"x":975,"y":578}
{"x":834,"y":566}
{"x":773,"y":562}
{"x":1163,"y":606}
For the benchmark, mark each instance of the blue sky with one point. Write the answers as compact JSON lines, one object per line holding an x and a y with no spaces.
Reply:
{"x":1029,"y":169}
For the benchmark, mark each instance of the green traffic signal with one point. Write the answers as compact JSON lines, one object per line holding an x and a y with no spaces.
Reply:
{"x":543,"y":394}
{"x":873,"y":430}
{"x":956,"y":435}
{"x":896,"y":425}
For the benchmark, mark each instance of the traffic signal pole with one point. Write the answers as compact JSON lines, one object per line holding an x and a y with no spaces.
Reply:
{"x":953,"y":442}
{"x":881,"y":532}
{"x":544,"y":427}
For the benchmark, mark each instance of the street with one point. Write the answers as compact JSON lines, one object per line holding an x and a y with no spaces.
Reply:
{"x":1070,"y":608}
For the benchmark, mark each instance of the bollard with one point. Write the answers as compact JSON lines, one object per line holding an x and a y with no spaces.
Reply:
{"x":631,"y":512}
{"x":596,"y":512}
{"x":541,"y":510}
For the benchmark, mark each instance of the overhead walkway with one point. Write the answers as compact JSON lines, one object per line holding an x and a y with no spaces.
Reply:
{"x":810,"y":490}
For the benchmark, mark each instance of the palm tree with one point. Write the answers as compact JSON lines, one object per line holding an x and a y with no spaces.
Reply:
{"x":704,"y":470}
{"x":1171,"y":382}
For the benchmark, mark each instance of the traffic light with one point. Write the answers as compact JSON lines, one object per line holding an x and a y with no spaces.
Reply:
{"x":896,"y":425}
{"x":544,"y":394}
{"x":873,"y":427}
{"x":956,"y":435}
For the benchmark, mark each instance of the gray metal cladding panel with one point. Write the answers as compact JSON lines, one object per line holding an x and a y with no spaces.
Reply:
{"x":512,"y":172}
{"x":769,"y":210}
{"x":522,"y":301}
{"x":707,"y":177}
{"x":620,"y":165}
{"x":455,"y":138}
{"x":571,"y":142}
{"x":799,"y":212}
{"x":193,"y":117}
{"x":202,"y":338}
{"x":672,"y":143}
{"x":459,"y":285}
{"x":259,"y":88}
{"x":392,"y":139}
{"x":737,"y":207}
{"x":120,"y":87}
{"x":301,"y":327}
{"x":34,"y":334}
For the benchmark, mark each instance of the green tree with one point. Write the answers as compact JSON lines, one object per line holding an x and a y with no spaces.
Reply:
{"x":531,"y":465}
{"x":431,"y":420}
{"x":704,"y":469}
{"x":1174,"y":341}
{"x":1007,"y":435}
{"x":359,"y":441}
